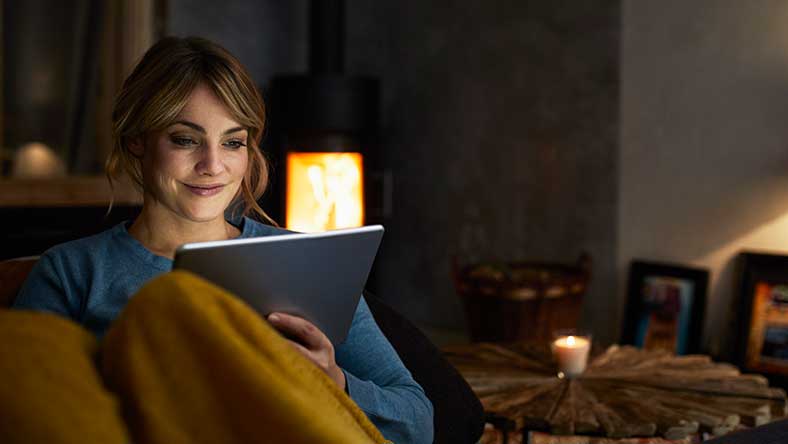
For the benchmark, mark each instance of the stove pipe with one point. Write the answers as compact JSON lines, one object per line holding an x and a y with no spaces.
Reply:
{"x":327,"y":37}
{"x":325,"y":99}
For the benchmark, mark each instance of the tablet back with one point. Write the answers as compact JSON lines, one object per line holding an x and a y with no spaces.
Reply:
{"x":318,"y":276}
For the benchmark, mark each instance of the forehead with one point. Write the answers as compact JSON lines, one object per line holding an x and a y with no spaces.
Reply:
{"x":206,"y":109}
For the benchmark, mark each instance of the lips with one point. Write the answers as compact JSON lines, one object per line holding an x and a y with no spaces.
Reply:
{"x":205,"y":190}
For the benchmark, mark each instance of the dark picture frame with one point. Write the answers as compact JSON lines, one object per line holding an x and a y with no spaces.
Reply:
{"x":763,"y":315}
{"x":665,"y":306}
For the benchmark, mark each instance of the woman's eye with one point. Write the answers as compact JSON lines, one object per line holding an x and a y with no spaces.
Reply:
{"x":235,"y":144}
{"x":183,"y":141}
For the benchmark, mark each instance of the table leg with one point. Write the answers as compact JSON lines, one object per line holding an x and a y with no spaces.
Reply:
{"x":505,"y":425}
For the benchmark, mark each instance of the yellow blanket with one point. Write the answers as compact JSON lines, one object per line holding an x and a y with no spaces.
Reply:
{"x":185,"y":362}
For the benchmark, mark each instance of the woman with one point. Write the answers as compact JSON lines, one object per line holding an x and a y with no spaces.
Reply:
{"x":186,"y":129}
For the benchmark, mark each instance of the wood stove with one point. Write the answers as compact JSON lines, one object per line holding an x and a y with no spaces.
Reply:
{"x":324,"y":128}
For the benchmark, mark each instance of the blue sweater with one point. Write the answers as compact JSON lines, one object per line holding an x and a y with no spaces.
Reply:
{"x":90,"y":280}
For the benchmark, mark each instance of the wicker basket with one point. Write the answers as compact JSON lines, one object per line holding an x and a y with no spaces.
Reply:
{"x":521,"y":300}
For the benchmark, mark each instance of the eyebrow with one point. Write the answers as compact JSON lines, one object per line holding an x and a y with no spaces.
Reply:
{"x":196,"y":127}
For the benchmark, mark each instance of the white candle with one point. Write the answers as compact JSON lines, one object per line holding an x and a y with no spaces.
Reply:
{"x":571,"y":354}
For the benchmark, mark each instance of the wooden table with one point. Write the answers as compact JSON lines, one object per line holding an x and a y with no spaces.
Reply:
{"x":625,"y":392}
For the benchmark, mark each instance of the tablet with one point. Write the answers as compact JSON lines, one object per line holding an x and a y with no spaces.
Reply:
{"x":317,"y":276}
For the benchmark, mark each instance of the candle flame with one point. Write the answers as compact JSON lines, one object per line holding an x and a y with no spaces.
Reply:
{"x":570,"y":341}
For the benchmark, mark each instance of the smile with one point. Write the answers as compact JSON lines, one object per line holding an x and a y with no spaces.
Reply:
{"x":205,"y":190}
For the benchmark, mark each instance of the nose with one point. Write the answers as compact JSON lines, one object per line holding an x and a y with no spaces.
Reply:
{"x":210,"y":160}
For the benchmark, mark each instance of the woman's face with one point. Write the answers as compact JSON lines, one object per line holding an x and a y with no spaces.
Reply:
{"x":194,"y":167}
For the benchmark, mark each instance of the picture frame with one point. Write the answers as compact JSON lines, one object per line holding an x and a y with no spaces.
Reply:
{"x":762,"y":309}
{"x":665,"y":306}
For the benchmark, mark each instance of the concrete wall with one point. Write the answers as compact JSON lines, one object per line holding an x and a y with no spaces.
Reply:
{"x":703,"y":163}
{"x":500,"y":128}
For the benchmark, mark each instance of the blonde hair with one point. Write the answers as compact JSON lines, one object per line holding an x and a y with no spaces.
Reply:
{"x":157,"y":90}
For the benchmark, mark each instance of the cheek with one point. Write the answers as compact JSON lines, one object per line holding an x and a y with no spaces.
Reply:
{"x":238,"y":164}
{"x":164,"y":169}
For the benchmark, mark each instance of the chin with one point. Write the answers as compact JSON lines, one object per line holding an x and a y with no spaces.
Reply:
{"x":203,"y":214}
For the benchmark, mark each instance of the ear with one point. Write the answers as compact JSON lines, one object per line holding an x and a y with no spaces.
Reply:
{"x":136,"y":146}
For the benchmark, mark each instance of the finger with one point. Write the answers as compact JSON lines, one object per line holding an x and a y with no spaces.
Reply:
{"x":301,"y":349}
{"x":299,"y":328}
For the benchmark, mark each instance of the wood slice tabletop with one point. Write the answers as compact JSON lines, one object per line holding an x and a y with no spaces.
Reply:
{"x":624,"y":392}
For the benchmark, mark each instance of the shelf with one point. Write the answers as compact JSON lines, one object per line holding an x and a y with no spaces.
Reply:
{"x":65,"y":192}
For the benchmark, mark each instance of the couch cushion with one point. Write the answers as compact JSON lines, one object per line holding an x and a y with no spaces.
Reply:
{"x":13,"y":273}
{"x":459,"y":416}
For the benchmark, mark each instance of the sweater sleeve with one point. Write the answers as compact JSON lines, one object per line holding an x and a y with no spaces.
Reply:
{"x":379,"y":383}
{"x":44,"y":290}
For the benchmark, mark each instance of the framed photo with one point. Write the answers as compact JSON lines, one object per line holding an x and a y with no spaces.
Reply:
{"x":763,"y":308}
{"x":665,"y":307}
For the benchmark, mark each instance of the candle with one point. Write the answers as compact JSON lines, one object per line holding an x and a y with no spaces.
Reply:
{"x":571,"y":355}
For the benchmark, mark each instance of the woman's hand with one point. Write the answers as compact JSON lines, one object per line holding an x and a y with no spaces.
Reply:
{"x":311,"y":342}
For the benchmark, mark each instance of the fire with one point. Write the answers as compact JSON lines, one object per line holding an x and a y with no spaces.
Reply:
{"x":324,"y":191}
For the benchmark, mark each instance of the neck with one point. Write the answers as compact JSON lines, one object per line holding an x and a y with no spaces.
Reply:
{"x":163,"y":233}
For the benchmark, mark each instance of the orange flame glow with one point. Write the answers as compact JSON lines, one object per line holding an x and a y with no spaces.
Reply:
{"x":324,"y":191}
